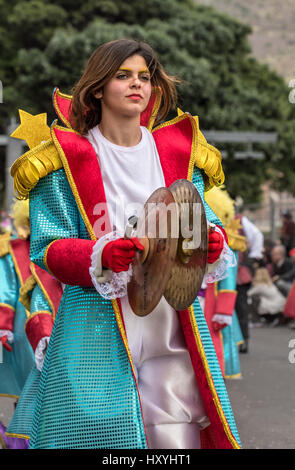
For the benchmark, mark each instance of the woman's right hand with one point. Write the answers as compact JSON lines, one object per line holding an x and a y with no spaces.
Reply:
{"x":118,"y":254}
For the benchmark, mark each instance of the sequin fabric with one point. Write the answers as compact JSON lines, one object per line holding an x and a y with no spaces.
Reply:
{"x":87,"y":396}
{"x":21,"y":422}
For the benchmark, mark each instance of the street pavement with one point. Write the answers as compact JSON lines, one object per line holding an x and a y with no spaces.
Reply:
{"x":263,"y":400}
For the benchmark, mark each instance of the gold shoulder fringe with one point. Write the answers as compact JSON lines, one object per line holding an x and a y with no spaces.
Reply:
{"x":236,"y":242}
{"x":209,"y":159}
{"x":4,"y":243}
{"x":24,"y":291}
{"x":28,"y":169}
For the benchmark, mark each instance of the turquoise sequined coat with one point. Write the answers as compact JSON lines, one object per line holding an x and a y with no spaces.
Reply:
{"x":88,"y":395}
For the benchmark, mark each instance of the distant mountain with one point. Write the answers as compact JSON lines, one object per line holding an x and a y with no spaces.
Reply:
{"x":272,"y":22}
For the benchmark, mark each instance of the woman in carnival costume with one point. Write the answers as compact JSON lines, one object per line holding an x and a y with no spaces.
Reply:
{"x":27,"y":329}
{"x":220,"y":298}
{"x":111,"y":379}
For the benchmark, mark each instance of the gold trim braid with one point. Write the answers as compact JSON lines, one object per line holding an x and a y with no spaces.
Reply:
{"x":215,"y":397}
{"x":33,"y":165}
{"x":25,"y":290}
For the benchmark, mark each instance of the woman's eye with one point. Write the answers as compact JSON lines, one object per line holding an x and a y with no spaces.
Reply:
{"x":122,"y":75}
{"x":145,"y":78}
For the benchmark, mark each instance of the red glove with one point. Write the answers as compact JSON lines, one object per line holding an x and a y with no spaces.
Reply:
{"x":117,"y":255}
{"x":5,"y":345}
{"x":215,"y":246}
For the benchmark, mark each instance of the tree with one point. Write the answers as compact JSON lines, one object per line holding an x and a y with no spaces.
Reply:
{"x":46,"y":45}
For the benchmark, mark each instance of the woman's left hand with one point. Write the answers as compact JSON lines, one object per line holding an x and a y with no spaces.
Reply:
{"x":215,"y":246}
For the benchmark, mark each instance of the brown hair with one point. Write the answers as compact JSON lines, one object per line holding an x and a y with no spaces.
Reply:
{"x":101,"y":67}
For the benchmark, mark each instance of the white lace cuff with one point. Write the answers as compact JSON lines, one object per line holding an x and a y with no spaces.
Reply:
{"x":108,"y":284}
{"x":222,"y":319}
{"x":218,"y":270}
{"x":7,"y":333}
{"x":41,"y":351}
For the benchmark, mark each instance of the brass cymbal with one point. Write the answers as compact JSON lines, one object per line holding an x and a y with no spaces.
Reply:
{"x":151,"y":269}
{"x":189,"y":266}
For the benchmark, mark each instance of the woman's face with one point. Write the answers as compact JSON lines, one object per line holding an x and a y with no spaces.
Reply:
{"x":128,"y":92}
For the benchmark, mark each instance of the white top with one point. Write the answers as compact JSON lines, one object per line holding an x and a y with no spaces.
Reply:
{"x":254,"y":237}
{"x":171,"y":402}
{"x":130,"y":174}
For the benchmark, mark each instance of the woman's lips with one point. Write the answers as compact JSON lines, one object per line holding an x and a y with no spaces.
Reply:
{"x":135,"y":97}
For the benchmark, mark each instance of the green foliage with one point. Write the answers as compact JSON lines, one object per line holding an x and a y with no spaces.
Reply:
{"x":47,"y":44}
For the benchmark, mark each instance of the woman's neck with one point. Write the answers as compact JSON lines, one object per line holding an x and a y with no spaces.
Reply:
{"x":123,"y":132}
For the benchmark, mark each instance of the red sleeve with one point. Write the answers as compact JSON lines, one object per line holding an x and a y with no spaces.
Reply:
{"x":225,"y":302}
{"x":38,"y":326}
{"x":69,"y":260}
{"x":6,"y":317}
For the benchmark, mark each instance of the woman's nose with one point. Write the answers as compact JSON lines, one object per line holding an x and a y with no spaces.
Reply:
{"x":135,"y":82}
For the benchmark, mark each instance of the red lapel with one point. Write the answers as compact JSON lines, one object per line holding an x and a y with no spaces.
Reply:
{"x":20,"y":250}
{"x":50,"y":286}
{"x":174,"y":143}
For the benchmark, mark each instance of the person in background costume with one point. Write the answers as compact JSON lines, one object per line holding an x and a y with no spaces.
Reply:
{"x":97,"y":386}
{"x":220,"y":298}
{"x":29,"y":325}
{"x":17,"y":354}
{"x":247,"y":261}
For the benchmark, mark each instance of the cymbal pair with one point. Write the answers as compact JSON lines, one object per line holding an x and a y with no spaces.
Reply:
{"x":173,"y":231}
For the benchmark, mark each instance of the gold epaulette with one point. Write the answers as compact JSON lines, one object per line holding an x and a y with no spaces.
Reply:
{"x":33,"y":165}
{"x":209,"y":159}
{"x":235,"y":240}
{"x":206,"y":157}
{"x":4,"y":243}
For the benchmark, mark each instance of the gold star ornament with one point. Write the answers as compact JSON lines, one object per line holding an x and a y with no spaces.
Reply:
{"x":32,"y":129}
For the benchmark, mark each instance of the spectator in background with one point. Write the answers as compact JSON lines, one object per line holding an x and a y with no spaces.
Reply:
{"x":268,"y":246}
{"x":283,"y":269}
{"x":288,"y":231}
{"x":268,"y":300}
{"x":248,"y":261}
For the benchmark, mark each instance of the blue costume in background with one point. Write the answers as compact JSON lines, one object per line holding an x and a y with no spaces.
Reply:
{"x":17,"y":363}
{"x":232,"y":335}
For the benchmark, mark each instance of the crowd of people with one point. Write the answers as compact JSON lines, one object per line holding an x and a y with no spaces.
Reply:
{"x":270,"y":285}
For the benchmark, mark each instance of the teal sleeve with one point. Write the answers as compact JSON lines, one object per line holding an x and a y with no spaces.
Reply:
{"x":53,"y":214}
{"x":9,"y":284}
{"x":38,"y":301}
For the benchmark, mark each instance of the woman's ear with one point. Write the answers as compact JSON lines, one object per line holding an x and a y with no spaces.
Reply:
{"x":98,"y":94}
